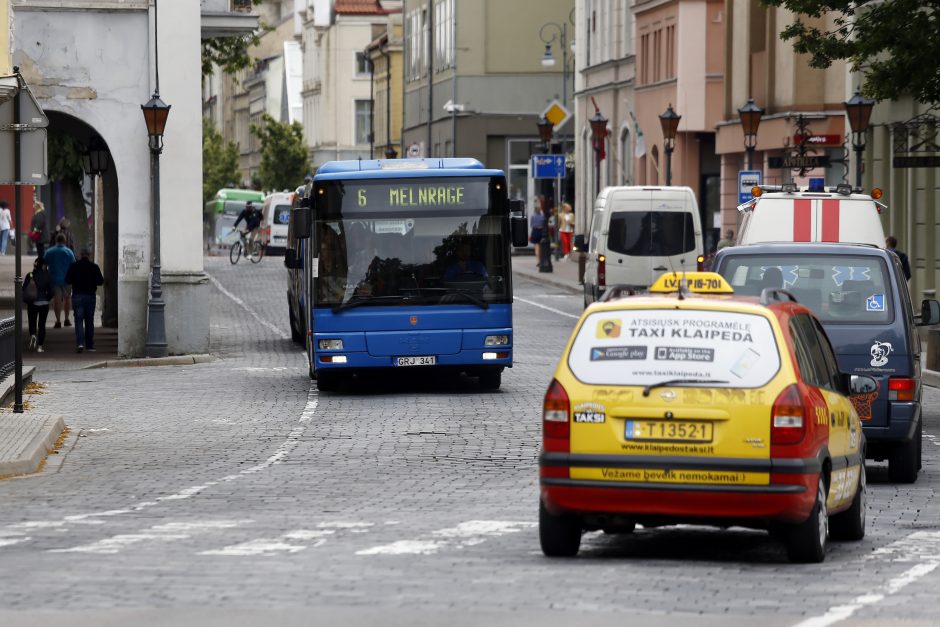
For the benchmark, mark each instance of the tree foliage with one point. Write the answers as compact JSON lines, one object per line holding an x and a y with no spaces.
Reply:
{"x":283,"y":154}
{"x":895,"y":44}
{"x":230,"y":54}
{"x":64,"y":156}
{"x":219,"y":161}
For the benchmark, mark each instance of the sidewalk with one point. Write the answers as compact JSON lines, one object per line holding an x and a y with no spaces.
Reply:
{"x":564,"y":274}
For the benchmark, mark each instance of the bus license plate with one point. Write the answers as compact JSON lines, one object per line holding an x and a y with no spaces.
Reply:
{"x":668,"y":431}
{"x":417,"y":360}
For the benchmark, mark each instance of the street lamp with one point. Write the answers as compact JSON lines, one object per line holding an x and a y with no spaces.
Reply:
{"x":545,"y":127}
{"x":560,"y":35}
{"x":858,"y":108}
{"x":95,"y":157}
{"x":750,"y":119}
{"x":669,"y":120}
{"x":598,"y":135}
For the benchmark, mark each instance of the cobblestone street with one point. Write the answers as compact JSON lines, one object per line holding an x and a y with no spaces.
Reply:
{"x":235,"y":484}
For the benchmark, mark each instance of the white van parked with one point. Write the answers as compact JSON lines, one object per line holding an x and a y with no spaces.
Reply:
{"x":274,"y":220}
{"x":788,"y":214}
{"x":638,"y":233}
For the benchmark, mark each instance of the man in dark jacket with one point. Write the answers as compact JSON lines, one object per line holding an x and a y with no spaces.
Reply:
{"x":252,"y":217}
{"x":84,"y":276}
{"x":891,"y":243}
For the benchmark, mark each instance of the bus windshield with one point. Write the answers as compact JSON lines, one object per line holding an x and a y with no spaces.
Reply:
{"x":411,"y":241}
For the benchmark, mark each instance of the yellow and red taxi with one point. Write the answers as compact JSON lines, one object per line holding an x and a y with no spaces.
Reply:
{"x":693,"y":405}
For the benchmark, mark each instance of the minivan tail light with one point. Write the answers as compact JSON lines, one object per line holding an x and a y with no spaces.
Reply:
{"x":787,"y":418}
{"x":601,"y":270}
{"x":556,"y":428}
{"x":901,"y":389}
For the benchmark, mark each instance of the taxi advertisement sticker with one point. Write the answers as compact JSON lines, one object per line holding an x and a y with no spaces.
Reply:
{"x":608,"y":329}
{"x":658,"y":475}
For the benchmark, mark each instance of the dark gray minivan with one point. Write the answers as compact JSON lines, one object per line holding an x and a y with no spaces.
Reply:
{"x":861,"y":297}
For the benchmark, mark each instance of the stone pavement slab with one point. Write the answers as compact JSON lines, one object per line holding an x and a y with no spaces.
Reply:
{"x":25,"y":440}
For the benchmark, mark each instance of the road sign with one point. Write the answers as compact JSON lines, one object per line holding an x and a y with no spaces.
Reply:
{"x":31,"y":114}
{"x":33,"y":165}
{"x":548,"y":166}
{"x":746,"y":180}
{"x":807,"y":162}
{"x":818,"y":140}
{"x":556,"y":113}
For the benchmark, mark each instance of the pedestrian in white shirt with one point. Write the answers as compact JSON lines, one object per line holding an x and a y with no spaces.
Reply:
{"x":5,"y":224}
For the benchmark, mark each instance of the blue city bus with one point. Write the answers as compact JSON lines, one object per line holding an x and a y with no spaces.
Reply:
{"x":405,"y":263}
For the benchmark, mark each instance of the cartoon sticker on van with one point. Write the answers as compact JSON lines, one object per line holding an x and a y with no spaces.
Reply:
{"x":880,"y":352}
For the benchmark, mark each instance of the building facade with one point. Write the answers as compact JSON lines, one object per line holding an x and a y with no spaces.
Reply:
{"x":385,"y":56}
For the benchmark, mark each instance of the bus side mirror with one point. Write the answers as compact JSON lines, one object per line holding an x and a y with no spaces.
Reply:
{"x":300,"y":222}
{"x":517,"y":206}
{"x":929,"y":313}
{"x":579,"y":244}
{"x":291,"y":261}
{"x":519,"y":230}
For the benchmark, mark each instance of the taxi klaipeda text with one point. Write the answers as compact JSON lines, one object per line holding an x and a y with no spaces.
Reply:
{"x":691,"y":404}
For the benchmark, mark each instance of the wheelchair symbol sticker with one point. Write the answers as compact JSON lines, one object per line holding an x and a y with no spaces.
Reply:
{"x":875,"y":302}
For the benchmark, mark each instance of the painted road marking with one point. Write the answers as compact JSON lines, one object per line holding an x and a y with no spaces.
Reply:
{"x":285,"y":543}
{"x":921,"y":546}
{"x":167,"y":532}
{"x":545,"y":307}
{"x":277,"y":331}
{"x":464,"y":535}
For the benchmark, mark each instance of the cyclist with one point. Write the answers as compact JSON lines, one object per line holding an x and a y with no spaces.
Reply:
{"x":252,"y":217}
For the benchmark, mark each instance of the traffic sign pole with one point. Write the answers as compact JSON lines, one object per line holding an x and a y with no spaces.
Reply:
{"x":18,"y":272}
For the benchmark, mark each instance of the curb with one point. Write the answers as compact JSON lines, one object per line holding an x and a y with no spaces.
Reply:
{"x":930,"y":377}
{"x":35,"y":452}
{"x":173,"y":360}
{"x":6,"y":386}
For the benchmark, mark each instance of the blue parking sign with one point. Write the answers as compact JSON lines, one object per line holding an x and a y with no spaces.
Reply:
{"x":548,"y":166}
{"x":746,"y":180}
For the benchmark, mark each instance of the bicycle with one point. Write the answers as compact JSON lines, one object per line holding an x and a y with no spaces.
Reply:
{"x":253,"y":250}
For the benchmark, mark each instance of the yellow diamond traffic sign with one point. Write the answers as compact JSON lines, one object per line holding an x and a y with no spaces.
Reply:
{"x":556,"y":114}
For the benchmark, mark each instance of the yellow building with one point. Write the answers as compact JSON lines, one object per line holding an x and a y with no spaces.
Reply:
{"x":385,"y":54}
{"x":6,"y":65}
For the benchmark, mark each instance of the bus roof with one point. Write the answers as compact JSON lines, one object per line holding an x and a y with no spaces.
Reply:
{"x":239,"y":194}
{"x":402,"y":168}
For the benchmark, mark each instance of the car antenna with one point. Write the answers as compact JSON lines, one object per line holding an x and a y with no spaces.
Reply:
{"x":674,"y":273}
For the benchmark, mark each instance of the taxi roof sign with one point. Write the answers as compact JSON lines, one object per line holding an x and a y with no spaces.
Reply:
{"x":697,"y":282}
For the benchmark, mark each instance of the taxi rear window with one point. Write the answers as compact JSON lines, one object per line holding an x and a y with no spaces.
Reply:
{"x":648,"y":346}
{"x":840,"y":289}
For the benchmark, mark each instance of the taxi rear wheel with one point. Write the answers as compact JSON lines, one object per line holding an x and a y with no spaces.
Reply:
{"x":560,"y":536}
{"x":850,"y":524}
{"x":806,"y":542}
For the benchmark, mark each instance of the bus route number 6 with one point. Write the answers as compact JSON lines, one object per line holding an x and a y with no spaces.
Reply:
{"x":362,"y":197}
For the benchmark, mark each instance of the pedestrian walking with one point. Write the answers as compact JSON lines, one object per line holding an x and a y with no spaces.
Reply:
{"x":37,"y":293}
{"x":566,"y":230}
{"x":38,"y":228}
{"x":891,"y":243}
{"x":538,"y":224}
{"x":59,"y":258}
{"x":63,"y":228}
{"x":6,"y":221}
{"x":84,"y":276}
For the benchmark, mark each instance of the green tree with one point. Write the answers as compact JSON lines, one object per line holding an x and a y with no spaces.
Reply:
{"x":219,"y":161}
{"x":895,"y":44}
{"x":283,"y":153}
{"x":231,"y":53}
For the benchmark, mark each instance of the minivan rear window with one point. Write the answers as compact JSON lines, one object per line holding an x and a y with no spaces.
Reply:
{"x":651,"y":233}
{"x":649,"y":346}
{"x":840,"y":289}
{"x":281,"y":214}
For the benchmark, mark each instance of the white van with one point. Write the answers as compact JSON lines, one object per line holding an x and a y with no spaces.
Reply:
{"x":793,"y":215}
{"x":274,"y":220}
{"x":638,"y":233}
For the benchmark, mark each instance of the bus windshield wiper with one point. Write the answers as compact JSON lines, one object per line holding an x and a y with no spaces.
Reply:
{"x":667,"y":382}
{"x":358,"y":300}
{"x":476,"y":300}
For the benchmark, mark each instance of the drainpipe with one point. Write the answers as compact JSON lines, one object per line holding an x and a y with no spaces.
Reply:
{"x":371,"y":105}
{"x":388,"y":96}
{"x":430,"y":71}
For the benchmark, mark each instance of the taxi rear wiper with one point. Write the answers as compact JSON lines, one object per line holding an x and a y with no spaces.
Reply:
{"x":646,"y":390}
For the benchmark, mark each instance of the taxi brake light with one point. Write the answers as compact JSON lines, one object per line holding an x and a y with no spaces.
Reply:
{"x":556,"y":430}
{"x":601,"y":270}
{"x":788,"y":424}
{"x":901,"y":389}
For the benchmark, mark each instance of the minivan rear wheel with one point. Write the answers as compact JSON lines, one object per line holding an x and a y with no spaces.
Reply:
{"x":904,"y":460}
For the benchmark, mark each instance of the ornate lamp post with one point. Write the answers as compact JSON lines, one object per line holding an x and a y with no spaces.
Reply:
{"x":545,"y":247}
{"x":598,"y":135}
{"x":751,"y":115}
{"x":155,"y":114}
{"x":548,"y":59}
{"x":858,"y":108}
{"x":669,"y":120}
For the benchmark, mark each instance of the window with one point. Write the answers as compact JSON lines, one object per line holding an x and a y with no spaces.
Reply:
{"x":363,"y":121}
{"x":363,"y":65}
{"x":645,"y":59}
{"x":657,"y":55}
{"x":444,"y":31}
{"x":626,"y":163}
{"x":650,"y":233}
{"x":415,"y":44}
{"x":670,"y":52}
{"x":819,"y":371}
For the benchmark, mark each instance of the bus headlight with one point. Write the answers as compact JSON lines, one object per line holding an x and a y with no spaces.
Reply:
{"x":496,"y":340}
{"x":330,"y":345}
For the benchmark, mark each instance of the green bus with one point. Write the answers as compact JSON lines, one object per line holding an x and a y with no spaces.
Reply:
{"x":221,"y":212}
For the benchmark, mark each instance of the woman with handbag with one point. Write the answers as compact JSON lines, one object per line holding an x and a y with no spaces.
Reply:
{"x":37,"y":292}
{"x":38,"y":228}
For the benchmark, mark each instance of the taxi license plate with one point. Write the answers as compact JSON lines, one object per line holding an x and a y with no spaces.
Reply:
{"x":668,"y":431}
{"x":417,"y":360}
